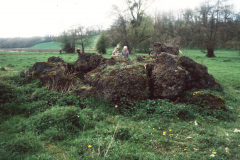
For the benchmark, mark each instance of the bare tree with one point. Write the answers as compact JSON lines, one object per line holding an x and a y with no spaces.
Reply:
{"x":84,"y":36}
{"x":76,"y":35}
{"x":213,"y":17}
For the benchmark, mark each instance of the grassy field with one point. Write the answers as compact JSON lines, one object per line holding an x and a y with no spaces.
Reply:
{"x":57,"y":45}
{"x":40,"y":124}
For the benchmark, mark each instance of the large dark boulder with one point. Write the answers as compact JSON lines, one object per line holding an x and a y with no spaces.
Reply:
{"x":197,"y":75}
{"x":163,"y":47}
{"x":129,"y":82}
{"x":55,"y":60}
{"x":86,"y":91}
{"x":107,"y":62}
{"x":142,"y":58}
{"x":168,"y":78}
{"x":58,"y":79}
{"x":37,"y":69}
{"x":87,"y":62}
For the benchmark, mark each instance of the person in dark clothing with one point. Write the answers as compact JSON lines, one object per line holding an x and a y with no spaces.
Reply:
{"x":125,"y":53}
{"x":60,"y":51}
{"x":78,"y":51}
{"x":149,"y":51}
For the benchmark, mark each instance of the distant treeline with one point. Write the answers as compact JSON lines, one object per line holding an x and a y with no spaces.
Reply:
{"x":24,"y":42}
{"x":211,"y":25}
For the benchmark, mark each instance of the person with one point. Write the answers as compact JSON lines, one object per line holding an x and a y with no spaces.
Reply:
{"x":60,"y":51}
{"x":78,"y":51}
{"x":125,"y":53}
{"x":115,"y":52}
{"x":149,"y":51}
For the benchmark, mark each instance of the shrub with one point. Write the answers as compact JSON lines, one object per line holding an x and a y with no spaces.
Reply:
{"x":2,"y":69}
{"x":102,"y":43}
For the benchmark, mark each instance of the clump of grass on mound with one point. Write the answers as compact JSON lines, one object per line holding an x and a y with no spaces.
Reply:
{"x":57,"y":123}
{"x":162,"y":107}
{"x":2,"y":69}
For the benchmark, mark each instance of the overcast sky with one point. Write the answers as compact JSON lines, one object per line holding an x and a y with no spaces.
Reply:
{"x":26,"y":18}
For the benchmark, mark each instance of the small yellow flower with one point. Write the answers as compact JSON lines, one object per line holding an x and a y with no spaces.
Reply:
{"x":29,"y":112}
{"x":151,"y":133}
{"x":220,"y":147}
{"x":164,"y":133}
{"x":186,"y":153}
{"x":170,"y":130}
{"x":153,"y":128}
{"x":214,"y":152}
{"x":185,"y":149}
{"x":89,"y":146}
{"x":174,"y":155}
{"x":227,"y":151}
{"x":20,"y":132}
{"x":158,"y":127}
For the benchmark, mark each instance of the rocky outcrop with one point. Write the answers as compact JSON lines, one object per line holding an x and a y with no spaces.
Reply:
{"x":142,"y":58}
{"x":59,"y":78}
{"x":55,"y":60}
{"x":37,"y":69}
{"x":163,"y":47}
{"x":168,"y":78}
{"x":197,"y":75}
{"x":162,"y":75}
{"x":87,"y":62}
{"x":129,"y":82}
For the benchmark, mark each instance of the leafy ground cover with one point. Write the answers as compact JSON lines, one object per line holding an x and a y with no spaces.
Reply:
{"x":39,"y":124}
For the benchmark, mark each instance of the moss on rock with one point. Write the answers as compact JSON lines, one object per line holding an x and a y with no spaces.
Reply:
{"x":207,"y":99}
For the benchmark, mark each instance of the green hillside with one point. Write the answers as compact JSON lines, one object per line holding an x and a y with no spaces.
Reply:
{"x":47,"y":45}
{"x":57,"y":45}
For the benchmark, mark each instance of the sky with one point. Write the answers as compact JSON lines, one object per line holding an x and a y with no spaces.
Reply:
{"x":28,"y":18}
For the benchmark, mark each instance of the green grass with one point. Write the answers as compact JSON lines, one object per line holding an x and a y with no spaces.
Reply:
{"x":47,"y":45}
{"x":57,"y":45}
{"x":40,"y":124}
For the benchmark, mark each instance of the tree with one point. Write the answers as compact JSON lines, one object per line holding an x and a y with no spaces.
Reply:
{"x":66,"y":43}
{"x":76,"y":35}
{"x":102,"y":43}
{"x":118,"y":31}
{"x":84,"y":36}
{"x":141,"y":25}
{"x":68,"y":40}
{"x":139,"y":34}
{"x":213,"y":20}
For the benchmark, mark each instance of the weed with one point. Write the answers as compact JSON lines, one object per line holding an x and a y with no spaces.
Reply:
{"x":3,"y":69}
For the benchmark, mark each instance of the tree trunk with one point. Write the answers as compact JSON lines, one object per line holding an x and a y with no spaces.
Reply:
{"x":210,"y":52}
{"x":133,"y":49}
{"x":83,"y":49}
